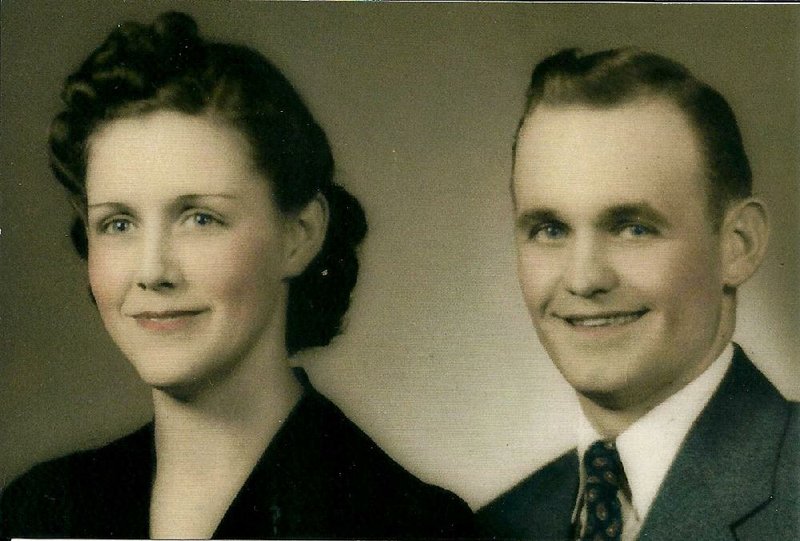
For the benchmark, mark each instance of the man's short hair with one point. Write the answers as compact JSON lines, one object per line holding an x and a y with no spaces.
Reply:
{"x":615,"y":77}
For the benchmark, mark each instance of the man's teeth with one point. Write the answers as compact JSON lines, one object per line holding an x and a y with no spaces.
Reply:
{"x":605,"y":321}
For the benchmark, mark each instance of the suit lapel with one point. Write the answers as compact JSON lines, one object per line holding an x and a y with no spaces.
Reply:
{"x":725,"y":469}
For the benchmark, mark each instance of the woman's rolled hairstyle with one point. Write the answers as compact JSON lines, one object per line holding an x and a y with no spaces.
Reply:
{"x":168,"y":66}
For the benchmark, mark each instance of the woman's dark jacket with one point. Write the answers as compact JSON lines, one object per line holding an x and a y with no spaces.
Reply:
{"x":320,"y":477}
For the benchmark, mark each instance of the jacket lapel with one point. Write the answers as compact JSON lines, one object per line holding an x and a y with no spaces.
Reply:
{"x":725,"y":470}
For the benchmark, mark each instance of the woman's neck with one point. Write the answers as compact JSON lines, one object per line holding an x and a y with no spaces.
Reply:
{"x":239,"y":413}
{"x":208,"y":443}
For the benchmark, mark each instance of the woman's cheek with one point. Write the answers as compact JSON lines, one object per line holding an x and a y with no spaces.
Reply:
{"x":106,"y":276}
{"x":240,"y":270}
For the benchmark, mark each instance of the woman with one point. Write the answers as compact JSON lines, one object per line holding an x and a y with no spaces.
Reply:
{"x":217,"y":246}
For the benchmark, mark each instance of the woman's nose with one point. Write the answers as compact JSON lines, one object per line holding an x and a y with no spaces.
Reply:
{"x":589,"y":270}
{"x":158,"y":267}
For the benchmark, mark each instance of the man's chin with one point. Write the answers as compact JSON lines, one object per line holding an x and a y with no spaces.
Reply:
{"x":606,"y":386}
{"x":608,"y":399}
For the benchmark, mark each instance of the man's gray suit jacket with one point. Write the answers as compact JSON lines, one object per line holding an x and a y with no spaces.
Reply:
{"x":736,"y":476}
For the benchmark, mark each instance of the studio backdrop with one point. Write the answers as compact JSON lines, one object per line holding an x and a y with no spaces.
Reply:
{"x":439,"y":362}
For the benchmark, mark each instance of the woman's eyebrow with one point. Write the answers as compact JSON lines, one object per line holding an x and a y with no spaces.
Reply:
{"x":198,"y":196}
{"x":181,"y":199}
{"x":111,"y":204}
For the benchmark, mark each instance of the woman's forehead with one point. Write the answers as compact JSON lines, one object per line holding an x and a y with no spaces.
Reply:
{"x":168,"y":154}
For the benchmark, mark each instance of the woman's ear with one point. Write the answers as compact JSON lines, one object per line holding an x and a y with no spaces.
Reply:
{"x":79,"y":206}
{"x":306,"y":231}
{"x":79,"y":231}
{"x":745,"y":233}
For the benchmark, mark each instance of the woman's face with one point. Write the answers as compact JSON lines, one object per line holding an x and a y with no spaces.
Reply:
{"x":187,"y":250}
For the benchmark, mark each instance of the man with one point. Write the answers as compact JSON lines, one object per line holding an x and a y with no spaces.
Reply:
{"x":635,"y":225}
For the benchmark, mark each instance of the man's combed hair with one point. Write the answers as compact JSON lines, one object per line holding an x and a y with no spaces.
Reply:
{"x":168,"y":66}
{"x":615,"y":77}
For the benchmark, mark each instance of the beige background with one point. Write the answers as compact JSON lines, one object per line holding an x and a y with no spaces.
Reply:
{"x":439,"y":363}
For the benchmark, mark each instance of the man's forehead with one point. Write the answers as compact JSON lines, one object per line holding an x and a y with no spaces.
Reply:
{"x":590,"y":158}
{"x":646,"y":122}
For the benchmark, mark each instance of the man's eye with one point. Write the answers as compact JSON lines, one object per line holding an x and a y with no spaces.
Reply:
{"x":117,"y":226}
{"x":547,"y":232}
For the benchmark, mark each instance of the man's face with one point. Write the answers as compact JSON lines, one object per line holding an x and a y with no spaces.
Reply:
{"x":618,"y":260}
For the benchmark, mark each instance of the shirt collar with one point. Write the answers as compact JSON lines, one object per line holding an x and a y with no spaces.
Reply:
{"x":648,"y":447}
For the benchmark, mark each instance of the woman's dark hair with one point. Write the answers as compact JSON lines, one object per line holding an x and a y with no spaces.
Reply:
{"x":615,"y":77}
{"x":167,"y":66}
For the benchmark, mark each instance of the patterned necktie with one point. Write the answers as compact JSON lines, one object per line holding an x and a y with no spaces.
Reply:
{"x":604,"y":475}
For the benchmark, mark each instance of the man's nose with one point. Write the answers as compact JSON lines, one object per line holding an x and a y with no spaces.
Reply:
{"x":158,"y":267}
{"x":589,"y":270}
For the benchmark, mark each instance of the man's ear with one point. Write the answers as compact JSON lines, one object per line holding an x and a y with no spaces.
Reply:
{"x":745,"y":233}
{"x":306,"y":230}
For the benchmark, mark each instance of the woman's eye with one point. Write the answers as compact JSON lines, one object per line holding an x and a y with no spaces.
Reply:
{"x":548,"y":232}
{"x":636,"y":230}
{"x":117,"y":226}
{"x":203,"y":219}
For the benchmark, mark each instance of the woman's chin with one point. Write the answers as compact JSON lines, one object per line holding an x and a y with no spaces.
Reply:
{"x":178,"y":386}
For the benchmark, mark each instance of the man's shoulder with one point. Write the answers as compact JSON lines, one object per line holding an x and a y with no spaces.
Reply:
{"x":779,"y":515}
{"x":538,"y":506}
{"x":746,"y":405}
{"x":738,"y":466}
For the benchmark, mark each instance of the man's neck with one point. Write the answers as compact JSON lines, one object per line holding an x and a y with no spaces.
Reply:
{"x":609,"y":423}
{"x":611,"y":415}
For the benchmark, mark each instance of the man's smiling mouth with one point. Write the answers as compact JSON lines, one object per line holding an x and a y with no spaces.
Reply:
{"x":610,"y":319}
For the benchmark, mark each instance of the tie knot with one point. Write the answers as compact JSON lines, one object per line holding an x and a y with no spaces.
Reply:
{"x":603,"y":465}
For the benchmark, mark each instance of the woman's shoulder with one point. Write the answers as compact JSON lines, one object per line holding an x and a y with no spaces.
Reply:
{"x":62,"y":497}
{"x":342,"y":447}
{"x":362,"y":484}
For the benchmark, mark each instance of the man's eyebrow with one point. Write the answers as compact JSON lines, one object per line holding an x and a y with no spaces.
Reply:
{"x":537,"y":215}
{"x":640,"y":211}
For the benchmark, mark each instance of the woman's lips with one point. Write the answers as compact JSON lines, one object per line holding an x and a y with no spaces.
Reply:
{"x":170,"y":320}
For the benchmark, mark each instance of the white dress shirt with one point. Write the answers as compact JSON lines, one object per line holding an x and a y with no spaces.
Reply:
{"x":648,"y":447}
